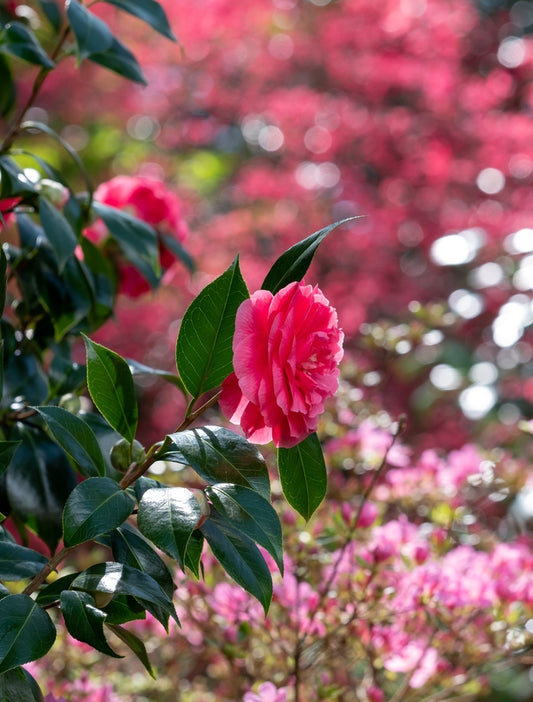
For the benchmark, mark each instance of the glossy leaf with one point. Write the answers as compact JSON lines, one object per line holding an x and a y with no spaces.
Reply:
{"x":91,"y":33}
{"x":20,"y":41}
{"x":76,"y":438}
{"x":84,"y":621}
{"x":94,"y":507}
{"x":219,"y":455}
{"x":111,"y":387}
{"x":134,"y":644}
{"x":121,"y":579}
{"x":204,"y":355}
{"x":131,"y":548}
{"x":122,"y":609}
{"x":16,"y":685}
{"x":149,"y":11}
{"x":18,"y":562}
{"x":293,"y":263}
{"x":137,"y":240}
{"x":58,"y":231}
{"x":194,"y":552}
{"x":13,"y":181}
{"x":303,"y":476}
{"x":250,"y":514}
{"x":26,"y":631}
{"x":168,"y":518}
{"x":7,"y":449}
{"x":240,"y":558}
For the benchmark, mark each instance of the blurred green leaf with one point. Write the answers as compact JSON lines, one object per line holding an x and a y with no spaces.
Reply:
{"x":250,"y":514}
{"x":119,"y":59}
{"x":18,"y":40}
{"x":76,"y":438}
{"x":168,"y":518}
{"x":7,"y":449}
{"x":111,"y":387}
{"x":84,"y":621}
{"x":149,"y":11}
{"x":293,"y":263}
{"x":26,"y":631}
{"x":303,"y":477}
{"x":219,"y":455}
{"x":91,"y":33}
{"x":137,"y":240}
{"x":94,"y":507}
{"x":8,"y":92}
{"x":137,"y":368}
{"x":204,"y":355}
{"x":58,"y":231}
{"x":52,"y":13}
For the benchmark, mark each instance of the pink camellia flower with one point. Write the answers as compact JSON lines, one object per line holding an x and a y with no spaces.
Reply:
{"x":286,"y":351}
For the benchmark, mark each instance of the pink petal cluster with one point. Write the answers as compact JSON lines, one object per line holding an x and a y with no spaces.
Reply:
{"x":286,"y":350}
{"x":267,"y":692}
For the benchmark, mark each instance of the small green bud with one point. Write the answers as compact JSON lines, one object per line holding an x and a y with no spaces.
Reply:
{"x":123,"y":454}
{"x":70,"y":402}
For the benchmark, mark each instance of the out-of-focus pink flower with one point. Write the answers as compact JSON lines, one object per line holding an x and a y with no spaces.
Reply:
{"x":151,"y":201}
{"x":286,"y":350}
{"x":267,"y":692}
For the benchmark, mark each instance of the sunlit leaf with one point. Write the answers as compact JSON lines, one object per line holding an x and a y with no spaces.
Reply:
{"x":303,"y":477}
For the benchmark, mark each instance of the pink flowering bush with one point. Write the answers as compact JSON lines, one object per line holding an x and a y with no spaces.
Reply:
{"x":286,"y":349}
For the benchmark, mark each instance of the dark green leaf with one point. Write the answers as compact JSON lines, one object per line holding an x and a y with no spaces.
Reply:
{"x":20,"y":41}
{"x":134,"y":644}
{"x":51,"y":593}
{"x":302,"y":472}
{"x":293,"y":263}
{"x":194,"y":552}
{"x":250,"y":514}
{"x":7,"y":449}
{"x":76,"y":438}
{"x":137,"y":368}
{"x":168,"y":518}
{"x":119,"y":59}
{"x":58,"y":232}
{"x":131,"y":548}
{"x":26,"y":631}
{"x":84,"y":621}
{"x":13,"y":181}
{"x":149,"y":11}
{"x":240,"y":558}
{"x":137,"y":240}
{"x":111,"y":387}
{"x":143,"y":484}
{"x":24,"y":379}
{"x":120,"y":579}
{"x":39,"y":480}
{"x":18,"y":562}
{"x":8,"y":94}
{"x":122,"y":609}
{"x":3,"y":277}
{"x":94,"y":507}
{"x":204,"y":355}
{"x":16,"y":686}
{"x":219,"y":455}
{"x":91,"y":33}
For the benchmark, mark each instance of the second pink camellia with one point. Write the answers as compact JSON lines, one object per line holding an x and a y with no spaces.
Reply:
{"x":286,"y":351}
